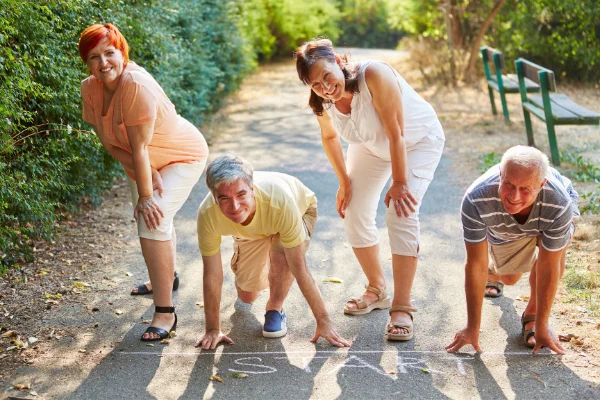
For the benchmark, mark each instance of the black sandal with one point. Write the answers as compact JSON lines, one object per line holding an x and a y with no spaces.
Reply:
{"x":161,"y":332}
{"x":143,"y":289}
{"x":527,"y":333}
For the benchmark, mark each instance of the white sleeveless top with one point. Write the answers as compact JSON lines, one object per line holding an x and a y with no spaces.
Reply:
{"x":363,"y":124}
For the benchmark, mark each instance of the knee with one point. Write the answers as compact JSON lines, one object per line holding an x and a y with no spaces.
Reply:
{"x":510,"y":279}
{"x":247,"y":297}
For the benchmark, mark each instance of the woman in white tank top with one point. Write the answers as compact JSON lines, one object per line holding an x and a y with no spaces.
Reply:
{"x":391,"y":131}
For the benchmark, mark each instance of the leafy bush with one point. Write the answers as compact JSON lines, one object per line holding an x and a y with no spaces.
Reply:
{"x":48,"y":160}
{"x":198,"y":50}
{"x":366,"y":24}
{"x":561,"y":35}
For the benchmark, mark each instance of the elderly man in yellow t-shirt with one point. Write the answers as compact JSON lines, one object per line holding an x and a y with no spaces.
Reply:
{"x":271,"y":217}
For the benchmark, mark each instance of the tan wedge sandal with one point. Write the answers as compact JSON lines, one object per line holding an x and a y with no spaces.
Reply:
{"x":383,"y":301}
{"x":391,"y":325}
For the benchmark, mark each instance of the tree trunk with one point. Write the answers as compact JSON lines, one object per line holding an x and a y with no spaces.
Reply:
{"x":474,"y":53}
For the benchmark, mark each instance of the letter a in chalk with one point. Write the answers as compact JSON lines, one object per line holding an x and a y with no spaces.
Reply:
{"x":360,"y":363}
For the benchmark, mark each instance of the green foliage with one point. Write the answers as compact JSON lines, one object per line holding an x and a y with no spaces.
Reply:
{"x":561,"y":35}
{"x":365,"y":23}
{"x":579,"y":167}
{"x":488,"y":160}
{"x":592,"y":202}
{"x":198,"y":50}
{"x":578,"y":278}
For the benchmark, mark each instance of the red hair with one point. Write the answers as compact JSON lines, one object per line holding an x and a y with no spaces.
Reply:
{"x":94,"y":34}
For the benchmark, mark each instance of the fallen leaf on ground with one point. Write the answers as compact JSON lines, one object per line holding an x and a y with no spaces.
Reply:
{"x":523,"y":297}
{"x":9,"y":334}
{"x":172,"y":334}
{"x":146,"y":321}
{"x":81,"y":284}
{"x":56,"y":296}
{"x":11,"y":348}
{"x":165,"y":341}
{"x":149,"y":345}
{"x":20,"y":386}
{"x":577,"y":342}
{"x":33,"y":393}
{"x":425,"y":370}
{"x":332,"y":279}
{"x":200,"y":304}
{"x":32,"y":340}
{"x":128,"y":274}
{"x":567,"y":337}
{"x":118,"y":312}
{"x":215,"y":378}
{"x":82,"y":350}
{"x":239,"y":375}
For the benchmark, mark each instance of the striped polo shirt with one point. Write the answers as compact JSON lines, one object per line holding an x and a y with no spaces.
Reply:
{"x":484,"y":216}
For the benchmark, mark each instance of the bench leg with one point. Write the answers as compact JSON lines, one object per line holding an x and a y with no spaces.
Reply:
{"x":491,"y":92}
{"x":528,"y":128}
{"x":504,"y":107}
{"x":553,"y":143}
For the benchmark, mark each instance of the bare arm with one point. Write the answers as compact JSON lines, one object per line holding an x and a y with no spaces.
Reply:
{"x":476,"y":268}
{"x":211,"y":287}
{"x":139,"y":139}
{"x":333,"y":150}
{"x":387,"y":100}
{"x":549,"y":269}
{"x":126,"y":160}
{"x":297,"y":264}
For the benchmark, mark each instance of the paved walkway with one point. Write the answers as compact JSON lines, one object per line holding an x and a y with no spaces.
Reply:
{"x":270,"y":126}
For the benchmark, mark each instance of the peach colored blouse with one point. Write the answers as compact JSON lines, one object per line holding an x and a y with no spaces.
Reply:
{"x":139,"y":99}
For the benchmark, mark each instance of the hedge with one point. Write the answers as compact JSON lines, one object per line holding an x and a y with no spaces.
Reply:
{"x":198,"y":50}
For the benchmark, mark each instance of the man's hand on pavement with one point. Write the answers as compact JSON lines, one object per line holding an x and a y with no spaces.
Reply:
{"x":463,"y":338}
{"x":211,"y":339}
{"x":544,"y":337}
{"x":326,"y":330}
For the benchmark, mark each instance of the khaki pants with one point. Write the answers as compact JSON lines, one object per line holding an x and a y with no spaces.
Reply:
{"x":251,"y":261}
{"x":515,"y":257}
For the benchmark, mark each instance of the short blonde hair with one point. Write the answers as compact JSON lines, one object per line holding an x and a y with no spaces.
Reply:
{"x":526,"y":157}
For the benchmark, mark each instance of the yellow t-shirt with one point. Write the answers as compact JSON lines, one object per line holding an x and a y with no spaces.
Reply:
{"x":281,"y":201}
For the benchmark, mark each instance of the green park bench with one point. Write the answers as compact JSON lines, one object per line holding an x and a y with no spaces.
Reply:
{"x":553,"y":108}
{"x":498,"y":81}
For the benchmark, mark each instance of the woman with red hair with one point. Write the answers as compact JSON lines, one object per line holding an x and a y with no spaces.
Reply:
{"x":162,"y":153}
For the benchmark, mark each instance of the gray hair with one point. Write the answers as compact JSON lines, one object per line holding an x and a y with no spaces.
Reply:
{"x":228,"y":169}
{"x":526,"y":157}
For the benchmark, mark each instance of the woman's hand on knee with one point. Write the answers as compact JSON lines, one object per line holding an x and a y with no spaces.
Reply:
{"x":402,"y":199}
{"x":149,"y":209}
{"x":342,"y":199}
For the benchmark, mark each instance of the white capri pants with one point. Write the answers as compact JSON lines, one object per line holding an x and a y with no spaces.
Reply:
{"x":369,"y":175}
{"x":178,"y":181}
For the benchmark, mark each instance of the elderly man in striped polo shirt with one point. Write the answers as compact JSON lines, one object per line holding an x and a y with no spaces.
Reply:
{"x":517,"y":218}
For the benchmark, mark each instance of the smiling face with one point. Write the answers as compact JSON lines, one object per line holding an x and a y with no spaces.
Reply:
{"x":327,"y":80}
{"x":106,"y":63}
{"x":519,"y":188}
{"x":236,"y":201}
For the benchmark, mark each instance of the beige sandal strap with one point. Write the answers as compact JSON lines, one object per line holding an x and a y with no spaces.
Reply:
{"x":379,"y":292}
{"x":406,"y":309}
{"x":392,"y":325}
{"x":360,"y":303}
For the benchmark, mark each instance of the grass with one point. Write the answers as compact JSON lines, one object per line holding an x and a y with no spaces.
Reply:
{"x":488,"y":160}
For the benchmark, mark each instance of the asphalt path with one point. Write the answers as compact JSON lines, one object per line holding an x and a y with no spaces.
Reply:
{"x":270,"y":125}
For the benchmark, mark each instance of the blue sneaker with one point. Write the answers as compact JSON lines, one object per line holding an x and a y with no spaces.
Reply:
{"x":275,"y":324}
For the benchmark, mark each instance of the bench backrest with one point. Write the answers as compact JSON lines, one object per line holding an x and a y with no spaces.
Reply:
{"x":532,"y":71}
{"x":493,"y":55}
